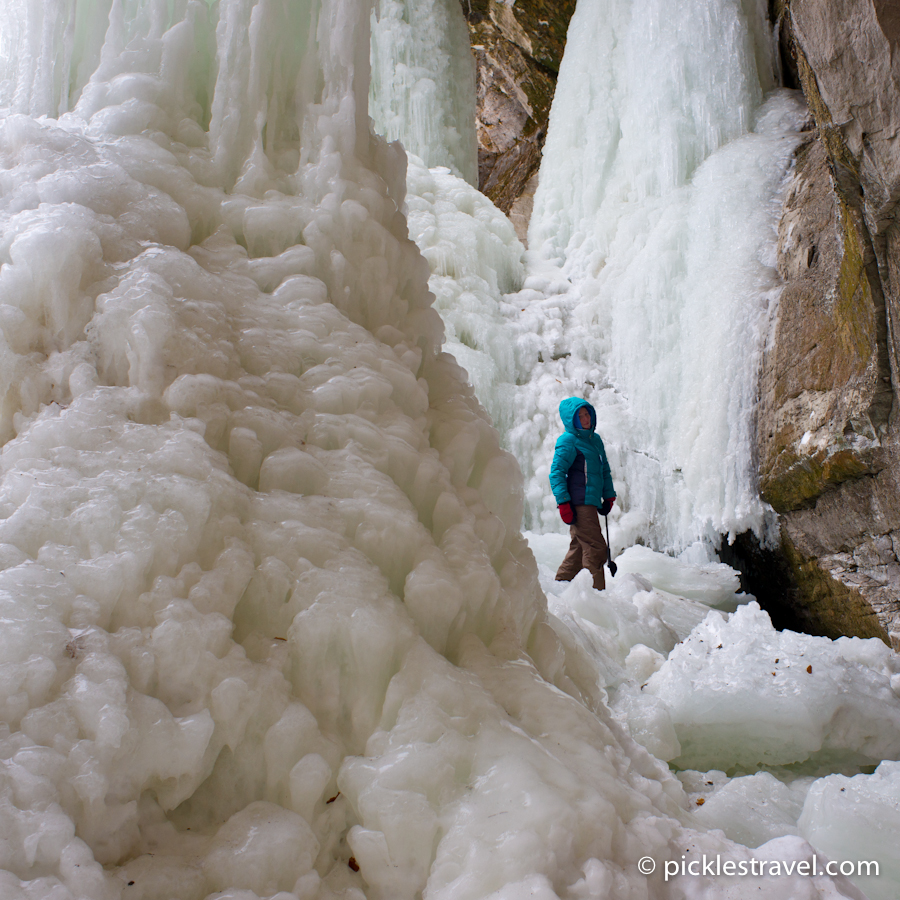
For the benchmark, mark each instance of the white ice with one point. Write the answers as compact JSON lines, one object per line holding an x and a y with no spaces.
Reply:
{"x":423,"y":82}
{"x":740,"y":694}
{"x":266,"y":606}
{"x":650,"y":282}
{"x":691,"y":196}
{"x":858,"y":817}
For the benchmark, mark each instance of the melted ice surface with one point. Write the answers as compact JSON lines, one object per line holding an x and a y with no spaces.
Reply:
{"x":269,"y":625}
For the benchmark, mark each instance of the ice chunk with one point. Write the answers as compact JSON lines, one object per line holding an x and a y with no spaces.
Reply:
{"x":713,"y":583}
{"x":262,"y":848}
{"x":741,"y":694}
{"x":750,"y":809}
{"x":854,"y":819}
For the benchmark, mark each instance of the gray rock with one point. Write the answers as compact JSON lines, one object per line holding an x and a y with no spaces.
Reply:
{"x":518,"y":48}
{"x":828,"y":436}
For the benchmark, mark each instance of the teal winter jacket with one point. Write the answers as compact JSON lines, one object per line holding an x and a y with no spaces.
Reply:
{"x":577,"y":443}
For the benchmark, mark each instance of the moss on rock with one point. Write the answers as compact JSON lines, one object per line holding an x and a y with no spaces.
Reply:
{"x":796,"y":481}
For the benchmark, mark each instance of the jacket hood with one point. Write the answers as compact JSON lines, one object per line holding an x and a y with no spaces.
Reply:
{"x":568,"y":410}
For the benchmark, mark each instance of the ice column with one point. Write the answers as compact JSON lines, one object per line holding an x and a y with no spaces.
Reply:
{"x":662,"y":162}
{"x":423,"y":82}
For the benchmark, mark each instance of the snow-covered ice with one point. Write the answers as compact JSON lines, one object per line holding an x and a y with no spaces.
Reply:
{"x":740,"y":694}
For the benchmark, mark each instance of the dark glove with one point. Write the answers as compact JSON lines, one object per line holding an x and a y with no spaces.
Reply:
{"x":566,"y":513}
{"x":607,"y":506}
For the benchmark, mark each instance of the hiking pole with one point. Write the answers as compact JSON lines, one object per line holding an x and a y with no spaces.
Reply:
{"x":609,"y":559}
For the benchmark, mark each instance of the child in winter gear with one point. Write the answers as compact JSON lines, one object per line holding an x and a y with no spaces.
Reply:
{"x":583,"y":488}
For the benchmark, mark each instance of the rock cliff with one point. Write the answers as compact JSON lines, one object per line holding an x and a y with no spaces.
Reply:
{"x":518,"y":47}
{"x":828,"y":432}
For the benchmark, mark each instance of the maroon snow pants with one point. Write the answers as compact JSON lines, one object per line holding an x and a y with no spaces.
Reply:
{"x":587,"y":549}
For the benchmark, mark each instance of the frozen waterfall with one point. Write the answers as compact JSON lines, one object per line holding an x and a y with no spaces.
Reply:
{"x":648,"y":291}
{"x":651,"y":280}
{"x":270,"y":629}
{"x":658,"y":199}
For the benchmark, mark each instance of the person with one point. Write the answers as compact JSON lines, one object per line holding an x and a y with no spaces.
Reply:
{"x":583,"y":488}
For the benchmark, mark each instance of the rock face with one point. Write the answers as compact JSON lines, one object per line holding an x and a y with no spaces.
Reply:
{"x":828,"y":431}
{"x":518,"y":46}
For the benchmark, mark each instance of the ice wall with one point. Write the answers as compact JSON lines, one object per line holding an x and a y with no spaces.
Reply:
{"x":423,"y":82}
{"x":236,"y":467}
{"x":657,"y":200}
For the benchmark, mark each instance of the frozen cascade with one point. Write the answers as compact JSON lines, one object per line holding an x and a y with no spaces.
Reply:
{"x":266,"y":608}
{"x":423,"y":82}
{"x":651,"y":280}
{"x":793,"y":707}
{"x":662,"y":213}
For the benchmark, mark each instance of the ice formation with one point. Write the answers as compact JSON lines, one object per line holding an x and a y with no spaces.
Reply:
{"x":858,"y":816}
{"x":423,"y":82}
{"x":650,"y":279}
{"x":269,"y":626}
{"x":739,"y":694}
{"x":656,"y":198}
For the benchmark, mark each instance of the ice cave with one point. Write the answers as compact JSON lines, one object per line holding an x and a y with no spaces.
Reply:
{"x":278,"y":400}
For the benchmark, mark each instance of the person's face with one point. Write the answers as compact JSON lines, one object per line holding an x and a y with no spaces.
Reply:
{"x":584,"y":417}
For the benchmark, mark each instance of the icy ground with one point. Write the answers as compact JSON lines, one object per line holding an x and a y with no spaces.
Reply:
{"x":269,"y":625}
{"x":714,"y":692}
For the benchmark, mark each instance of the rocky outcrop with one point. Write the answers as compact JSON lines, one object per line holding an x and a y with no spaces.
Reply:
{"x":828,"y":436}
{"x":518,"y":46}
